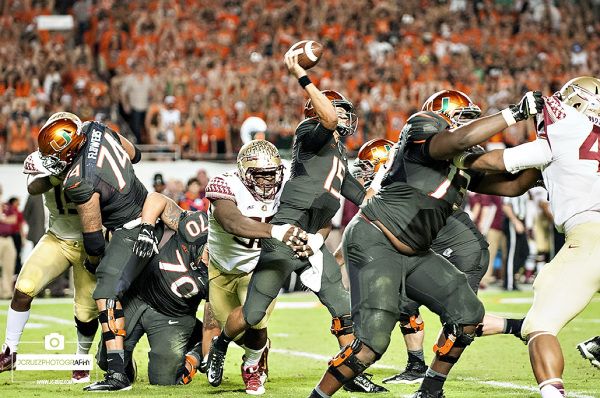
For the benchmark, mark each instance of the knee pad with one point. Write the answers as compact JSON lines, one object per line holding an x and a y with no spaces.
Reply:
{"x":85,"y":313}
{"x":412,"y":326}
{"x":455,"y":337}
{"x":87,"y":328}
{"x":347,"y":356}
{"x":26,"y":286}
{"x":342,"y":325}
{"x":110,"y":316}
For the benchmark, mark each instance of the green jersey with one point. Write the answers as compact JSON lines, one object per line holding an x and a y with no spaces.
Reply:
{"x":103,"y":166}
{"x":319,"y":177}
{"x":418,"y":193}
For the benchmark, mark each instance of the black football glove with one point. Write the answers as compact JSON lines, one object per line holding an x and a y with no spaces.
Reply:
{"x":146,"y":243}
{"x":89,"y":266}
{"x":531,"y":104}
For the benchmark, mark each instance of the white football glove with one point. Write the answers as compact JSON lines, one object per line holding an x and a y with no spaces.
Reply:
{"x":34,"y":165}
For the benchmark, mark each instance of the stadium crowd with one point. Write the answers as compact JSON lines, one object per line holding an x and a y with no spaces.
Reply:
{"x":189,"y":73}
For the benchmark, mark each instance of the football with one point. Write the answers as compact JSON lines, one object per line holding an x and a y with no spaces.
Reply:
{"x":309,"y":53}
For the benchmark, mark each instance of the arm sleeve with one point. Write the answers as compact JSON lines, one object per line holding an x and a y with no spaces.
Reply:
{"x":353,"y":190}
{"x":532,"y":154}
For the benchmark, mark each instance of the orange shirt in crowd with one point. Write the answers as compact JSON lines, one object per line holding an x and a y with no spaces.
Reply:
{"x":217,"y":123}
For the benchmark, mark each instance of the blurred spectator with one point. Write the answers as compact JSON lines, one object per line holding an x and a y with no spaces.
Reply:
{"x":158,"y":183}
{"x":170,"y":119}
{"x":8,"y":252}
{"x":135,"y":94}
{"x":194,"y":198}
{"x":18,"y":232}
{"x":486,"y":211}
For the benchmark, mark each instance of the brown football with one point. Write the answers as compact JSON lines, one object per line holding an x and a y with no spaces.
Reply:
{"x":309,"y":53}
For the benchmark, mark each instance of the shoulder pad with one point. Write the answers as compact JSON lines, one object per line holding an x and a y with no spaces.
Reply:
{"x":193,"y":227}
{"x":218,"y":188}
{"x":422,"y":125}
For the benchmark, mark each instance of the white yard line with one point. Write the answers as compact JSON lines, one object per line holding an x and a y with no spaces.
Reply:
{"x":46,"y":318}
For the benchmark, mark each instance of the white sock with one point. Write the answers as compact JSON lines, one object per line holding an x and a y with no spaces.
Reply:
{"x":15,"y":323}
{"x":549,"y":391}
{"x":252,"y":357}
{"x":84,"y":343}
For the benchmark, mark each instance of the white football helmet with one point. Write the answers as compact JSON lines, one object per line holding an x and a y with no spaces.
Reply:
{"x":583,"y":94}
{"x":260,"y":156}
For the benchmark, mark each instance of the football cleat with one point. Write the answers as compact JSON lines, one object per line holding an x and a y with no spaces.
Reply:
{"x":426,"y":394}
{"x":362,"y":383}
{"x":113,"y":381}
{"x":216,"y":362}
{"x":590,"y":349}
{"x":413,"y":373}
{"x":8,"y":360}
{"x":81,"y":376}
{"x":252,"y":379}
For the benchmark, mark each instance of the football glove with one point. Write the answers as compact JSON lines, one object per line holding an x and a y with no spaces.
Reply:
{"x":288,"y":234}
{"x":531,"y":104}
{"x":146,"y":243}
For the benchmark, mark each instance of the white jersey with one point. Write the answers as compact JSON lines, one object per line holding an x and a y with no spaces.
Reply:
{"x":572,"y":178}
{"x":229,"y":253}
{"x":63,"y":219}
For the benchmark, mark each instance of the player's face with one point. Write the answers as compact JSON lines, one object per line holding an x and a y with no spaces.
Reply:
{"x":265,"y":177}
{"x":343,"y":118}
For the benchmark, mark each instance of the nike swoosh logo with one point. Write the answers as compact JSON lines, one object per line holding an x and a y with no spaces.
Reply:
{"x":172,"y":322}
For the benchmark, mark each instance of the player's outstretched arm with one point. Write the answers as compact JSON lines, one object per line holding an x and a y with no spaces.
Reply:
{"x":531,"y":154}
{"x":134,"y":153}
{"x":448,"y":144}
{"x":507,"y":184}
{"x":158,"y":205}
{"x":91,"y":226}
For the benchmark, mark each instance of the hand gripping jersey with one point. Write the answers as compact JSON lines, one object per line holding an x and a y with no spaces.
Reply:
{"x":418,"y":193}
{"x":229,"y":253}
{"x":319,"y":177}
{"x":63,"y":219}
{"x":175,"y":280}
{"x":103,"y":166}
{"x":572,"y":178}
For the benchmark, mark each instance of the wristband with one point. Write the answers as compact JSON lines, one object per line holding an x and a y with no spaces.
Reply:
{"x":278,"y":231}
{"x":459,"y":160}
{"x":508,"y":117}
{"x":304,"y":81}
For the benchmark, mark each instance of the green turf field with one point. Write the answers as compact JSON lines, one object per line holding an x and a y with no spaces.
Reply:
{"x":496,"y":366}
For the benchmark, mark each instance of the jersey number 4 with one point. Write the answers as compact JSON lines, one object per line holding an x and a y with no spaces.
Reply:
{"x":121,"y":157}
{"x":590,"y":149}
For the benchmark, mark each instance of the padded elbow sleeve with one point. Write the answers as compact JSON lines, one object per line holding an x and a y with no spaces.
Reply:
{"x":138,"y":155}
{"x":93,"y":243}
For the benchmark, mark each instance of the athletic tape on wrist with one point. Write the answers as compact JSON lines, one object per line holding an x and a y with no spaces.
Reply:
{"x":508,"y":117}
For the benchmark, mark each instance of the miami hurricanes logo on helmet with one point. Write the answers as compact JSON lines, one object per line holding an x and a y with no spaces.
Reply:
{"x":66,"y":140}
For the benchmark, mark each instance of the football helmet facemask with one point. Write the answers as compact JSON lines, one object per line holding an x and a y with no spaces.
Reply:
{"x":583,"y":94}
{"x":260,"y":157}
{"x":59,"y":141}
{"x":454,"y":106}
{"x":371,"y":156}
{"x":347,"y":120}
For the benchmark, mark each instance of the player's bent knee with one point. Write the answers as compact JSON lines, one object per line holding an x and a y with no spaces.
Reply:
{"x":86,"y":313}
{"x":254,"y":317}
{"x":164,"y":369}
{"x":455,"y":336}
{"x":109,"y":316}
{"x":348,"y":357}
{"x":26,"y":286}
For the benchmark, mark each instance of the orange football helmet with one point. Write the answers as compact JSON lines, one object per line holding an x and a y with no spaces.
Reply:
{"x":347,"y":120}
{"x":454,"y":106}
{"x":59,"y":141}
{"x":371,"y":156}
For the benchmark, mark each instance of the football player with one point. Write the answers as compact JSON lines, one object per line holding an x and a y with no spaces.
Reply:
{"x":459,"y":241}
{"x":242,"y":202}
{"x":566,"y":153}
{"x":162,"y":302}
{"x":387,"y":246}
{"x":101,"y":182}
{"x":308,"y":201}
{"x":60,"y":247}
